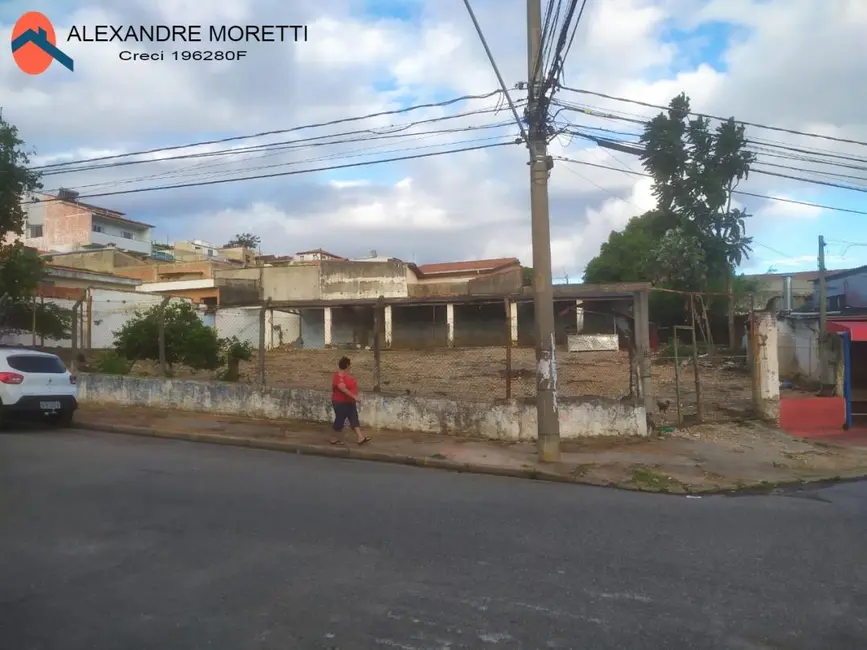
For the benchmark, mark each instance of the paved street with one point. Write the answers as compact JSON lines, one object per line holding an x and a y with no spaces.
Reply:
{"x":118,"y":542}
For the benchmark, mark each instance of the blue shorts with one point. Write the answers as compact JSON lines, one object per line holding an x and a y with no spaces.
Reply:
{"x":344,"y":411}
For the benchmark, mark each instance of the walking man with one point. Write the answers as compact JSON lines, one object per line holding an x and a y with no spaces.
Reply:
{"x":344,"y":399}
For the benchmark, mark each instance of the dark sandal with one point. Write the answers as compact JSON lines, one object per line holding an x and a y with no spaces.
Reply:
{"x":337,"y":442}
{"x":365,"y":440}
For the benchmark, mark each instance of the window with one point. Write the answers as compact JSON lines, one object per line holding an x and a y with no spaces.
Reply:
{"x":210,"y":252}
{"x":34,"y":231}
{"x":127,"y":234}
{"x":36,"y":363}
{"x":96,"y":228}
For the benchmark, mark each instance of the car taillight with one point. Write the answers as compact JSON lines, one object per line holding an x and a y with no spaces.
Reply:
{"x":72,"y":379}
{"x":11,"y":378}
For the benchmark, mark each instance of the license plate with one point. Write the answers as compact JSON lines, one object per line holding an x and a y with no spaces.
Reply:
{"x":49,"y":406}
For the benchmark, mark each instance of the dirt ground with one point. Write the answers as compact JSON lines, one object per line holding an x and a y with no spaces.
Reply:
{"x":479,"y":374}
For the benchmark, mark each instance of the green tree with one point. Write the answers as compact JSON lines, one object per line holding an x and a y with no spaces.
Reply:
{"x":21,"y":269}
{"x":245,"y":240}
{"x":625,"y":256}
{"x":695,"y":169}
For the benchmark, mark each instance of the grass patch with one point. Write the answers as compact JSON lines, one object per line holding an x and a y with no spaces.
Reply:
{"x":650,"y":481}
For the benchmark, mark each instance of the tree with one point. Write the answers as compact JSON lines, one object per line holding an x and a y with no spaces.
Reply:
{"x":245,"y":240}
{"x":694,"y":171}
{"x":625,"y":256}
{"x":188,"y":340}
{"x":21,"y":269}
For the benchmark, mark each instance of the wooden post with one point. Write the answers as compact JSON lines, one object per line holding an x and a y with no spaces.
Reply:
{"x":75,"y":333}
{"x":378,"y":313}
{"x":508,"y":306}
{"x":263,"y":313}
{"x":33,"y":326}
{"x":677,"y":375}
{"x":42,"y":334}
{"x":164,"y":366}
{"x":698,"y":408}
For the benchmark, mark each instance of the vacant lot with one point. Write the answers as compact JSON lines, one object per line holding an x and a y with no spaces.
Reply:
{"x":479,"y":374}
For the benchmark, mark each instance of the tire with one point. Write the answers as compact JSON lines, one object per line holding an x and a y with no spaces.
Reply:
{"x":62,"y":419}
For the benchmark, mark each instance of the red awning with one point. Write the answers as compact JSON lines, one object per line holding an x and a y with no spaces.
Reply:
{"x":857,"y":329}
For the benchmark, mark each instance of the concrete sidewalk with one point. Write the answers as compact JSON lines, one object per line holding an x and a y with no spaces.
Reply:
{"x":701,"y":459}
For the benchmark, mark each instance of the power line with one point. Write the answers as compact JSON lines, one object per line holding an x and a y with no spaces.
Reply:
{"x":208,"y":164}
{"x":290,"y":173}
{"x":288,"y":145}
{"x":276,"y":132}
{"x":720,"y":119}
{"x":496,"y":69}
{"x":740,"y":192}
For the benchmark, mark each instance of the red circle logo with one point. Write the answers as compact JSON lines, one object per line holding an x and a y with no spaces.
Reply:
{"x":31,"y":58}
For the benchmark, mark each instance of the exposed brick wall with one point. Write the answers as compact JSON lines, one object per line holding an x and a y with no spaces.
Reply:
{"x":65,"y":225}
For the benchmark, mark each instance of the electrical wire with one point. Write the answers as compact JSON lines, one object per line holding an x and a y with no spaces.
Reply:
{"x":496,"y":68}
{"x":284,"y":145}
{"x":756,"y":125}
{"x":190,"y":171}
{"x":263,"y":134}
{"x":289,"y":173}
{"x":740,"y":192}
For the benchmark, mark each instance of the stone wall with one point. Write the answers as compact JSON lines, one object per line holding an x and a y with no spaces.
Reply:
{"x":507,"y":420}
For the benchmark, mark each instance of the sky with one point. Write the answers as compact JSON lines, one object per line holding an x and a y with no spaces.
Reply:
{"x":783,"y":63}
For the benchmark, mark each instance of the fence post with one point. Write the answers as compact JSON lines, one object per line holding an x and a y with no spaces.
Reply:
{"x":89,"y":320}
{"x":677,"y":375}
{"x":42,"y":309}
{"x":164,"y":367}
{"x":75,"y":333}
{"x":378,"y":313}
{"x":698,"y":410}
{"x":263,"y":313}
{"x":33,"y":309}
{"x":508,"y":305}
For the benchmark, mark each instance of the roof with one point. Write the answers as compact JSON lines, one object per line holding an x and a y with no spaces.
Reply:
{"x":836,"y":275}
{"x":800,"y":275}
{"x":321,"y":252}
{"x":102,"y":212}
{"x":471,"y":266}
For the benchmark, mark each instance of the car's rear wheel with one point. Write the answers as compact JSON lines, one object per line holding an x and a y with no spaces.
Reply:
{"x":62,"y":419}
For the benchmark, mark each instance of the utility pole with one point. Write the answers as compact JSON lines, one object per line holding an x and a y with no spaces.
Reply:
{"x":823,"y":310}
{"x":547,"y":415}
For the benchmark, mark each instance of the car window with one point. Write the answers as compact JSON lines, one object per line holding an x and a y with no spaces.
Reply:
{"x":36,"y":363}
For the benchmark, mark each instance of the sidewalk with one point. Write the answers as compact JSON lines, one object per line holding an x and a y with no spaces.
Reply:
{"x":706,"y":458}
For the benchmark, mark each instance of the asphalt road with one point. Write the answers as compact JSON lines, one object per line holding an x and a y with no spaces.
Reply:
{"x":112,"y":542}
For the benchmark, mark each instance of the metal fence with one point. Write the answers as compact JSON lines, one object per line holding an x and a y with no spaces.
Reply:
{"x":699,"y":374}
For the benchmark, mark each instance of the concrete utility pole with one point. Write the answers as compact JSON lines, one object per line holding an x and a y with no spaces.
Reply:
{"x":547,"y":414}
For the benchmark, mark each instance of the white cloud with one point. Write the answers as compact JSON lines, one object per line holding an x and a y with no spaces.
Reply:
{"x":791,"y":64}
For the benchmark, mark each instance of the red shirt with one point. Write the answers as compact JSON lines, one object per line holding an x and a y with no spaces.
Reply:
{"x":351,"y":386}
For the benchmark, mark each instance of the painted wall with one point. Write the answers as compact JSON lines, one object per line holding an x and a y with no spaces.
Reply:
{"x":798,"y":352}
{"x":846,"y":292}
{"x":359,"y":280}
{"x":511,"y":421}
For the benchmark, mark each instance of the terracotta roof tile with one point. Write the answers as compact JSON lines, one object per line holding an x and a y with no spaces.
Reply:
{"x":468,"y":266}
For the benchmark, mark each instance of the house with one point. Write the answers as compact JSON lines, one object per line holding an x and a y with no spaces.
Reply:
{"x":773,"y":286}
{"x":845,"y":290}
{"x":63,"y":223}
{"x":317,"y":255}
{"x":98,"y":260}
{"x":197,"y":281}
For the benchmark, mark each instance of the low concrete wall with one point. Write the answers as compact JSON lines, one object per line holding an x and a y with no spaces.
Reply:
{"x":511,"y":420}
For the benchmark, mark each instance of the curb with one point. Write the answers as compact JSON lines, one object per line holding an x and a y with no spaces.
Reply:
{"x":334,"y":452}
{"x":350,"y":453}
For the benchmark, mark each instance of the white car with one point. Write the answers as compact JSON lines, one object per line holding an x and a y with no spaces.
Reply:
{"x":36,"y":385}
